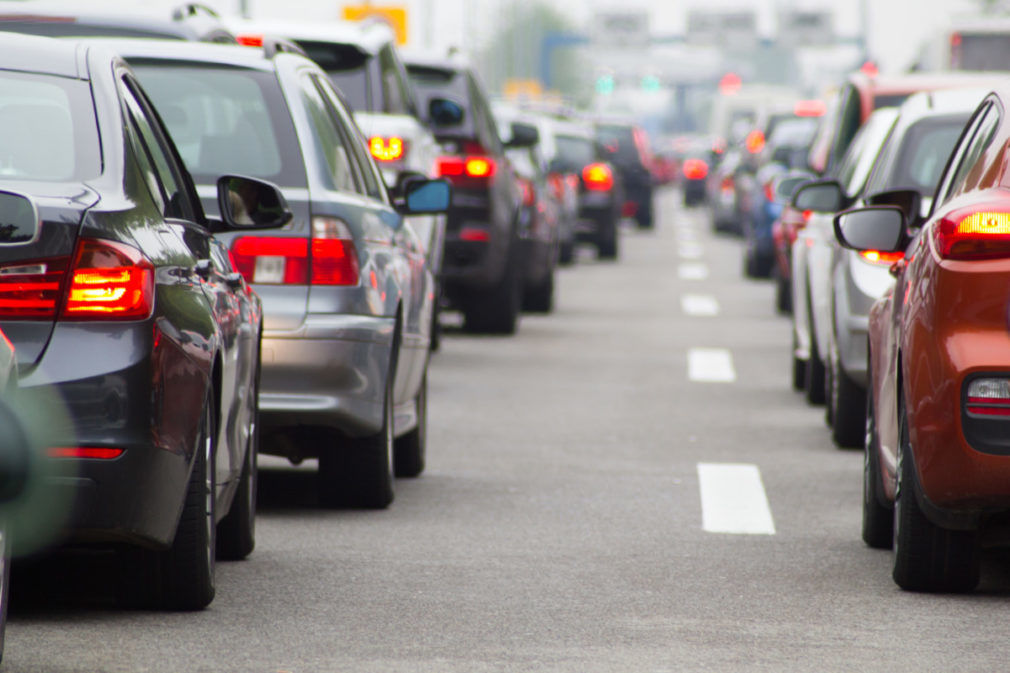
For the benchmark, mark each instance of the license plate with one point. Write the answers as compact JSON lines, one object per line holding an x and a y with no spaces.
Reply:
{"x":269,"y":269}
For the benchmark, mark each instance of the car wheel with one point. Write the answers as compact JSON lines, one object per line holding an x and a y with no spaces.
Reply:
{"x":926,"y":556}
{"x":799,"y":369}
{"x":436,"y":324}
{"x":644,"y":216}
{"x":358,"y":473}
{"x":878,"y":515}
{"x":783,"y":293}
{"x":540,"y":298}
{"x":496,"y":311}
{"x":848,"y":405}
{"x":814,"y":382}
{"x":606,"y":240}
{"x":409,"y":450}
{"x":236,"y":534}
{"x":566,"y":253}
{"x":182,"y":576}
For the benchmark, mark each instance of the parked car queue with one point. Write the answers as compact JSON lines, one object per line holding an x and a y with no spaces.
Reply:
{"x":896,"y":289}
{"x":240,"y":269}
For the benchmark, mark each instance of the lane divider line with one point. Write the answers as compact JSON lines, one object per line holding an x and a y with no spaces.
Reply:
{"x":690,"y":251}
{"x":693,"y":271}
{"x":699,"y":305}
{"x":710,"y":365}
{"x":733,"y":500}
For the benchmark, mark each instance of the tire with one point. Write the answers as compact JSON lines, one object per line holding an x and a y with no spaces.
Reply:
{"x":358,"y":473}
{"x":566,"y":253}
{"x":436,"y":324}
{"x":644,"y":216}
{"x":182,"y":576}
{"x":783,"y":293}
{"x":848,"y":404}
{"x":496,"y":310}
{"x":540,"y":298}
{"x":409,"y":450}
{"x":606,"y":240}
{"x":799,"y":369}
{"x":814,"y":382}
{"x":878,"y":514}
{"x":236,"y":534}
{"x":926,"y":556}
{"x":750,"y":264}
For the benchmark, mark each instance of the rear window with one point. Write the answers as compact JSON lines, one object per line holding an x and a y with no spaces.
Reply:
{"x":980,"y":51}
{"x":225,"y":120}
{"x":794,"y":132}
{"x":618,"y":142}
{"x":574,"y":152}
{"x":48,"y":131}
{"x":433,"y":82}
{"x":347,"y":68}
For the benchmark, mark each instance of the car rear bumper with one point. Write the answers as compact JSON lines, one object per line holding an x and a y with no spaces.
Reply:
{"x":330,"y":373}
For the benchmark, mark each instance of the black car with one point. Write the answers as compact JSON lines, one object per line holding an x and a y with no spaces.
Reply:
{"x":625,"y":146}
{"x":120,"y":302}
{"x":483,"y":266}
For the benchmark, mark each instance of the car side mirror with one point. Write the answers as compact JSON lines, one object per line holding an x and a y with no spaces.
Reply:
{"x":19,"y":219}
{"x":445,"y":112}
{"x":822,"y":196}
{"x":250,"y":203}
{"x":879,"y":228}
{"x":426,"y":196}
{"x":523,"y":135}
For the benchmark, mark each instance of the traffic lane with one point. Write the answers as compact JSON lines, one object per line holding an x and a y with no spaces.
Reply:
{"x":559,"y":524}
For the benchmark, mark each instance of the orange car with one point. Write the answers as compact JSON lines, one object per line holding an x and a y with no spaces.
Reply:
{"x":937,"y":469}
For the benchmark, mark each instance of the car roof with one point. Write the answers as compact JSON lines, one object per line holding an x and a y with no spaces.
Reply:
{"x":943,"y":101}
{"x":31,"y":53}
{"x":368,"y":36}
{"x":883,"y":85}
{"x":189,"y":22}
{"x":451,"y":62}
{"x":223,"y":54}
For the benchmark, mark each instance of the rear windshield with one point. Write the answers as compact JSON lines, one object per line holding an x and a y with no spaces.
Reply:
{"x":433,"y":82}
{"x":574,"y":152}
{"x":347,"y":68}
{"x":794,"y":132}
{"x":981,"y":52}
{"x":48,"y":131}
{"x":618,"y":142}
{"x":225,"y":120}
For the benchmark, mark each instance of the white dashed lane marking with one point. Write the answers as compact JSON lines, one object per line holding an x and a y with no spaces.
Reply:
{"x":699,"y":305}
{"x":710,"y":365}
{"x":692,"y":272}
{"x":690,"y":251}
{"x":733,"y":500}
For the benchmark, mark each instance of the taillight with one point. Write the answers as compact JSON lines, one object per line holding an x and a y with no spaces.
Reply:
{"x":387,"y":149}
{"x":473,"y":167}
{"x":109,"y":281}
{"x":804,"y":219}
{"x":973,"y":235}
{"x":598,"y":178}
{"x":529,"y":194}
{"x":755,"y":141}
{"x":557,"y":184}
{"x":727,"y":184}
{"x":94,"y":452}
{"x":287,"y":261}
{"x":249,"y":40}
{"x":31,"y":290}
{"x":769,"y":190}
{"x":695,"y":169}
{"x":989,"y":397}
{"x":881,"y":257}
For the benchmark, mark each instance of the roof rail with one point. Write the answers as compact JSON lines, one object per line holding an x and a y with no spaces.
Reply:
{"x":192,"y":9}
{"x":278,"y":45}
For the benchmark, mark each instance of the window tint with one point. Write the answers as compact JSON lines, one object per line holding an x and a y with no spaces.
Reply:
{"x":364,"y":166}
{"x":981,"y":51}
{"x":618,"y":143}
{"x":169,"y":178}
{"x":574,"y":152}
{"x":924,"y":152}
{"x":48,"y":130}
{"x":395,"y":96}
{"x":225,"y":120}
{"x":328,"y":140}
{"x":347,"y":67}
{"x":433,"y":82}
{"x":487,"y":130}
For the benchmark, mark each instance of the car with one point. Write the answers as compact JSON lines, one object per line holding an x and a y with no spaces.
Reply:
{"x":189,"y":21}
{"x":543,"y":208}
{"x":626,"y":147}
{"x":600,"y":193}
{"x":120,"y":301}
{"x":483,"y":267}
{"x":363,"y":63}
{"x":937,"y":464}
{"x":785,"y":230}
{"x":347,"y":292}
{"x":907,"y":169}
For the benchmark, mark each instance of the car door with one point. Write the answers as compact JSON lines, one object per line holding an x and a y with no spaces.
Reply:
{"x":184,"y":218}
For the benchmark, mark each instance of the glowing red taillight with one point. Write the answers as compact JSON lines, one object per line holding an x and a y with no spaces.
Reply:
{"x":695,"y":169}
{"x":94,"y":452}
{"x":387,"y":149}
{"x":250,"y":40}
{"x":769,"y":190}
{"x":109,"y":281}
{"x":755,"y":141}
{"x":30,"y":290}
{"x":287,"y":261}
{"x":598,"y":178}
{"x":881,"y":257}
{"x":973,"y":235}
{"x":529,"y":194}
{"x":472,"y":167}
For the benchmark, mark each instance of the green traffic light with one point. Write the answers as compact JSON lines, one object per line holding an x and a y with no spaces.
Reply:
{"x":605,"y":85}
{"x":651,"y":83}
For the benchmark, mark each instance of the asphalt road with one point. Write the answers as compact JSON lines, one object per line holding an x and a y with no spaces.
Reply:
{"x":560,"y":525}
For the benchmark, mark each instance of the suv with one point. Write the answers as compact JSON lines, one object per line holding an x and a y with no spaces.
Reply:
{"x":346,"y":291}
{"x":483,"y":266}
{"x":626,"y":147}
{"x":361,"y":61}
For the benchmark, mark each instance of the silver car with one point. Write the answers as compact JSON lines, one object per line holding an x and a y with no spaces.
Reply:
{"x":347,"y":293}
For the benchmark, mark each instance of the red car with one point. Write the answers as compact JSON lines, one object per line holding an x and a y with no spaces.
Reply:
{"x":937,"y":477}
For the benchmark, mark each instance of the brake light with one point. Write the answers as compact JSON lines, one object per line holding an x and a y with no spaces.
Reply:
{"x":250,"y":40}
{"x":769,"y":190}
{"x":727,"y":184}
{"x":387,"y":149}
{"x":881,"y":257}
{"x":557,"y":183}
{"x":287,"y":261}
{"x":109,"y":280}
{"x":31,"y":290}
{"x":755,"y":141}
{"x":695,"y":169}
{"x":989,"y":397}
{"x":810,"y":108}
{"x":102,"y":453}
{"x":973,"y":235}
{"x":479,"y":167}
{"x":804,"y":219}
{"x":466,"y":167}
{"x":598,"y":178}
{"x":529,"y":195}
